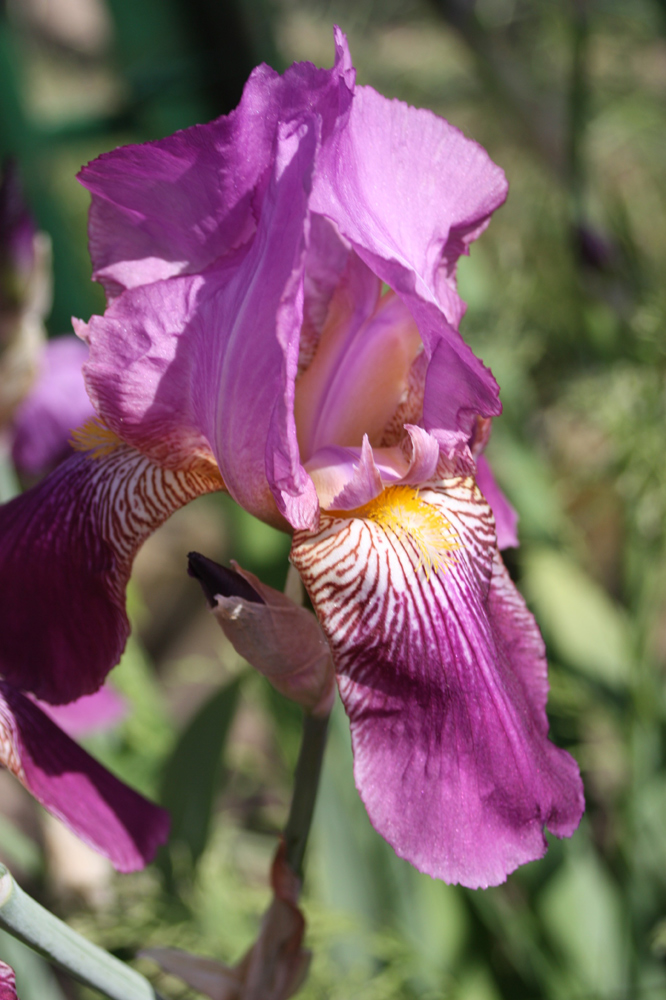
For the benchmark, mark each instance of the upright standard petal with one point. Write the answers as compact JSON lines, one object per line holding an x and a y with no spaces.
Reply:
{"x":442,"y":673}
{"x":174,"y":206}
{"x":411,"y":234}
{"x":66,"y":551}
{"x":110,"y":817}
{"x":366,"y":184}
{"x":207,"y":363}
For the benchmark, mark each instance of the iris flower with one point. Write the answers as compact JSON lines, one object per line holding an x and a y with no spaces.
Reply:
{"x":282,"y":323}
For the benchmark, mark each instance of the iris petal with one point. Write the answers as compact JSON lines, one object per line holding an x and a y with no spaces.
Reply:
{"x":109,"y":816}
{"x":174,"y":206}
{"x":442,"y":672}
{"x":66,"y":551}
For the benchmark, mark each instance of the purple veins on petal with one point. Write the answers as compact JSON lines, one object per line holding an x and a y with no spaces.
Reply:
{"x":442,"y":672}
{"x":67,"y":562}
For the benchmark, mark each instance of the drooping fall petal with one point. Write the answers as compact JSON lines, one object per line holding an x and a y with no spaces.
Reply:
{"x":112,"y":818}
{"x":89,"y":714}
{"x":66,"y":551}
{"x":442,"y":672}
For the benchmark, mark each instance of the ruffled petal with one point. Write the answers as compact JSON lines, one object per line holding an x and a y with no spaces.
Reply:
{"x":443,"y":686}
{"x":506,"y":517}
{"x":108,"y":815}
{"x":149,"y":356}
{"x":366,"y":184}
{"x":165,"y":384}
{"x":66,"y":551}
{"x":457,"y":389}
{"x":174,"y":206}
{"x":411,"y":234}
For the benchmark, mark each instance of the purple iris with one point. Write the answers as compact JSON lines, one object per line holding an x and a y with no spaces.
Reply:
{"x":55,"y":405}
{"x":283,"y":324}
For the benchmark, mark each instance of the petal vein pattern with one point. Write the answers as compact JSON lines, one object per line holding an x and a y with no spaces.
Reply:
{"x":445,"y":698}
{"x":69,"y":543}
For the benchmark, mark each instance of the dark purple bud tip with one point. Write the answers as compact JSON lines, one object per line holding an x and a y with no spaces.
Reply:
{"x":216,"y":579}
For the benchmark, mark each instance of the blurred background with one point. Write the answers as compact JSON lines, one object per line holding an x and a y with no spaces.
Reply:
{"x":566,"y":303}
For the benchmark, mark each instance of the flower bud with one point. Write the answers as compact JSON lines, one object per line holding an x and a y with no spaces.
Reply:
{"x":277,"y":637}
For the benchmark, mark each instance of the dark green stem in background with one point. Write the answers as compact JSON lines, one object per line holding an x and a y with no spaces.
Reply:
{"x":306,"y":783}
{"x":578,"y":107}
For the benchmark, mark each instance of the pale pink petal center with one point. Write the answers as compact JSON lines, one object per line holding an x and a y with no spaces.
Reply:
{"x":360,"y":371}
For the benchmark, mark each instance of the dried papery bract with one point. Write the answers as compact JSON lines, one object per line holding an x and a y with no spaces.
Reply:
{"x":277,"y":637}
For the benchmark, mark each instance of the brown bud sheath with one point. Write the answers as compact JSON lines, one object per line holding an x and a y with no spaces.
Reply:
{"x":274,"y":968}
{"x":277,"y":637}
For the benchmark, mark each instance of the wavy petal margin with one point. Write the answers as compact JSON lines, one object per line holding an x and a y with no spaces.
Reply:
{"x":176,"y":205}
{"x":66,"y":552}
{"x":412,"y":234}
{"x":442,"y":673}
{"x":108,"y":815}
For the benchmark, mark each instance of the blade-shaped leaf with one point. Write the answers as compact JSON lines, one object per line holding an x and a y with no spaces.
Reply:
{"x":191,"y":775}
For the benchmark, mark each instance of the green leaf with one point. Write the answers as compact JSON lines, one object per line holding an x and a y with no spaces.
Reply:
{"x":588,"y":630}
{"x":191,"y":774}
{"x":476,"y":984}
{"x":581,"y":908}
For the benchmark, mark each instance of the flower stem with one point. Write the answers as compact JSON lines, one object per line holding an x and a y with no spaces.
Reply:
{"x":26,"y":920}
{"x":306,"y":782}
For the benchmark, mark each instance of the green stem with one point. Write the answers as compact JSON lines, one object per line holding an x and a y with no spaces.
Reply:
{"x":306,"y":782}
{"x":26,"y":920}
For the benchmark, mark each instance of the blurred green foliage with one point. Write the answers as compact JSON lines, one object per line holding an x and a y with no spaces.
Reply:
{"x":567,"y":305}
